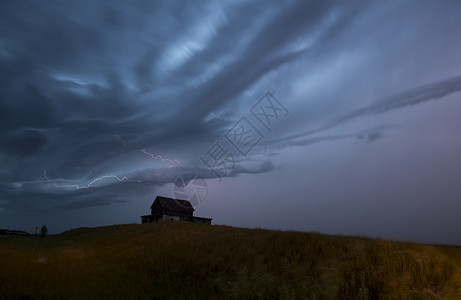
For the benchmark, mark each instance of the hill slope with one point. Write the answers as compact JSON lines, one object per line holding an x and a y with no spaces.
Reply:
{"x":187,"y":261}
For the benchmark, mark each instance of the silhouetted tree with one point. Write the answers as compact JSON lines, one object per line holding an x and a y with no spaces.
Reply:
{"x":44,"y":231}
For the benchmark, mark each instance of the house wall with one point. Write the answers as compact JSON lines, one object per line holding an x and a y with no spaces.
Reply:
{"x":170,"y":218}
{"x":158,"y":209}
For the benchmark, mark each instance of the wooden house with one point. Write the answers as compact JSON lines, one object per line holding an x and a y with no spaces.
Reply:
{"x":168,"y":209}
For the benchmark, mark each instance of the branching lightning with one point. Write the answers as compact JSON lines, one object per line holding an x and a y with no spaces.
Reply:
{"x":76,"y":186}
{"x":121,"y":140}
{"x":160,"y":157}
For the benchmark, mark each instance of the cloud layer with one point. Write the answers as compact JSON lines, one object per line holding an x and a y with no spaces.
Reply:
{"x":91,"y":93}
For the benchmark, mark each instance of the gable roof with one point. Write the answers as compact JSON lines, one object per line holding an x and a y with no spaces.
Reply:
{"x":174,"y":204}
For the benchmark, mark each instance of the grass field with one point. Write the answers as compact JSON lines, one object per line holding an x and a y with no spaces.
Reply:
{"x":178,"y":260}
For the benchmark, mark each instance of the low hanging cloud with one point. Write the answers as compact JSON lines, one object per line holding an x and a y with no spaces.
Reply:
{"x":60,"y":194}
{"x":92,"y":202}
{"x":415,"y":96}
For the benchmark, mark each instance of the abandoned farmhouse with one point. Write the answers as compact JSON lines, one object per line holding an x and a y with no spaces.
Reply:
{"x":167,"y":209}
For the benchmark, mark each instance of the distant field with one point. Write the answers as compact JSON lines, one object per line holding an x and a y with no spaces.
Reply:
{"x":195,"y":261}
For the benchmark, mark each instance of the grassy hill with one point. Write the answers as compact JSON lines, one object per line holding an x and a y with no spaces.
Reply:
{"x":195,"y":261}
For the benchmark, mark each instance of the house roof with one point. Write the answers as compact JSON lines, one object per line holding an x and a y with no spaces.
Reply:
{"x":174,"y":204}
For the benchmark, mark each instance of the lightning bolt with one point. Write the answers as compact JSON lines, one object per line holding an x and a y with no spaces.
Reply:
{"x":160,"y":157}
{"x":76,"y":186}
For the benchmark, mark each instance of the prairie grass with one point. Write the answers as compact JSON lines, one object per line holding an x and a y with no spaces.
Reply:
{"x":177,"y":260}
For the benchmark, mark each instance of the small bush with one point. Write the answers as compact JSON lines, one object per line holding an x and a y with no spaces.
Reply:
{"x":43,"y":231}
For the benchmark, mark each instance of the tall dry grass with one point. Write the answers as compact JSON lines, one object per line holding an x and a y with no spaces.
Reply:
{"x":196,"y":261}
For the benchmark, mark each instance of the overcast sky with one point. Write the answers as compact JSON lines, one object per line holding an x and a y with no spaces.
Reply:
{"x":330,"y":116}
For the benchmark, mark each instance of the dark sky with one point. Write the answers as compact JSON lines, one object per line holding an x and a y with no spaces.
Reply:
{"x":330,"y":116}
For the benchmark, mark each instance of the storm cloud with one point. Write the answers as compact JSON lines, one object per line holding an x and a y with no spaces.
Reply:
{"x":103,"y":105}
